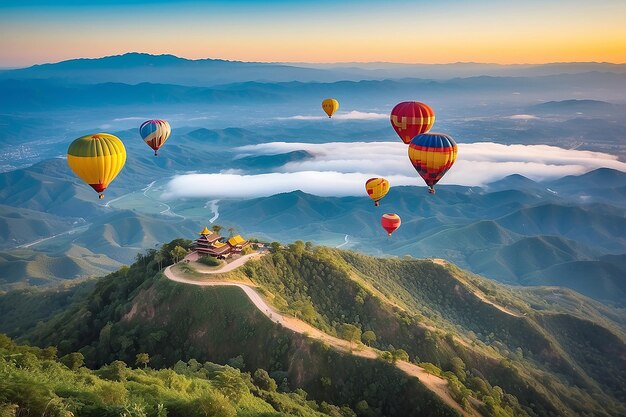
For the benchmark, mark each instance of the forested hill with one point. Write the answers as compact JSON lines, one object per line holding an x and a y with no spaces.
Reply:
{"x":509,"y":351}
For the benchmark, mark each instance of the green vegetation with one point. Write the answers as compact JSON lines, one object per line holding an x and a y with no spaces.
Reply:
{"x":518,"y":362}
{"x":209,"y":261}
{"x":34,"y":383}
{"x":136,"y":310}
{"x":424,"y":312}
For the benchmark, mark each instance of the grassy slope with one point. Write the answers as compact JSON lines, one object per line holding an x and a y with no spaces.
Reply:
{"x":129,"y":313}
{"x":444,"y":298}
{"x":430,"y":311}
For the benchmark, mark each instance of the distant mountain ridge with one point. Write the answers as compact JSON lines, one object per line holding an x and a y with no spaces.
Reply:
{"x":197,"y":71}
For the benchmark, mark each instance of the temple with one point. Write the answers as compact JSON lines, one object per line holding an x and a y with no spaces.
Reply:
{"x":212,"y":244}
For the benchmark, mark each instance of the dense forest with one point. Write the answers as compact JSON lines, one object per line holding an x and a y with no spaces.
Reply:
{"x":35,"y":382}
{"x":525,"y":360}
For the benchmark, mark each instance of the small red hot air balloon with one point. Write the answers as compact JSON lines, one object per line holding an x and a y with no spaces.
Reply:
{"x":410,"y":118}
{"x":390,"y":222}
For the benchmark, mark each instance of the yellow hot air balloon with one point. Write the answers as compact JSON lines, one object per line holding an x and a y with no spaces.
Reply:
{"x":376,"y":188}
{"x":97,"y":159}
{"x":330,"y":106}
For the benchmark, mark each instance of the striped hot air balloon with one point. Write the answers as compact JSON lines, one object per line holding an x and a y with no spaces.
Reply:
{"x":330,"y":106}
{"x":432,"y":155}
{"x":97,"y":159}
{"x":410,"y":118}
{"x":155,"y":133}
{"x":376,"y":189}
{"x":390,"y":222}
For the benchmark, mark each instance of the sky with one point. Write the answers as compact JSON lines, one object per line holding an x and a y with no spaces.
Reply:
{"x":320,"y":31}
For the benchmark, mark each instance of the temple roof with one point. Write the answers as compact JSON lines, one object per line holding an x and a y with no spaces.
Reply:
{"x":205,"y":231}
{"x":236,"y":240}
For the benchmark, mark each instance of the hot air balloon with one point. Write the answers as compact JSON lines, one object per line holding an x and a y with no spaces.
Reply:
{"x":410,"y":118}
{"x":97,"y":159}
{"x":432,"y":155}
{"x":155,"y":133}
{"x":330,"y":106}
{"x":377,"y":188}
{"x":390,"y":222}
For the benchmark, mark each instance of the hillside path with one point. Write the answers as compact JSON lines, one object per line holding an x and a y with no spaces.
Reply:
{"x":480,"y":294}
{"x":436,"y":384}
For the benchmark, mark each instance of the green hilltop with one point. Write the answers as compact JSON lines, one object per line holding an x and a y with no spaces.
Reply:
{"x":504,"y":350}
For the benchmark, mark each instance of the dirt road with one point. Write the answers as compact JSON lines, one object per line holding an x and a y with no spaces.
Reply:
{"x":432,"y":382}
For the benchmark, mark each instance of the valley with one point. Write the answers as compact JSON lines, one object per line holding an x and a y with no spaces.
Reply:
{"x":501,"y":295}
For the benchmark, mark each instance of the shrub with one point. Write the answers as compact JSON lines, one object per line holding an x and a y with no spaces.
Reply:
{"x":209,"y":260}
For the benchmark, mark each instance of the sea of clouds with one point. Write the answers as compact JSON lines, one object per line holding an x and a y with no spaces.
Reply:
{"x":340,"y":169}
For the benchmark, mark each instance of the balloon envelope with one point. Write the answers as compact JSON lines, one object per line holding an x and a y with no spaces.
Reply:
{"x":330,"y":106}
{"x":377,"y":188}
{"x":410,"y":118}
{"x":390,"y":222}
{"x":97,"y":159}
{"x":432,"y":155}
{"x":155,"y":133}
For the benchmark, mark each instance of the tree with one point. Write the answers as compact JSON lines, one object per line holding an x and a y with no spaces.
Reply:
{"x":351,"y":333}
{"x":73,"y":360}
{"x":274,"y":247}
{"x":116,"y":371}
{"x":263,"y":380}
{"x":216,"y":228}
{"x":386,"y":356}
{"x":369,"y":337}
{"x":212,"y":404}
{"x":400,"y":355}
{"x":49,"y":353}
{"x":142,"y":359}
{"x":231,"y":231}
{"x":159,"y":258}
{"x":230,"y":383}
{"x":237,"y":362}
{"x":458,"y":367}
{"x":297,"y":247}
{"x":178,"y":253}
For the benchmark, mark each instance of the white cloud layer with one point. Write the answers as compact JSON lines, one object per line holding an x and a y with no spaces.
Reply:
{"x":353,"y":115}
{"x":523,"y":117}
{"x":340,"y":169}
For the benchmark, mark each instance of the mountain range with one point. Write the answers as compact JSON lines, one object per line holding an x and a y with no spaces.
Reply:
{"x":135,"y":68}
{"x":514,"y":230}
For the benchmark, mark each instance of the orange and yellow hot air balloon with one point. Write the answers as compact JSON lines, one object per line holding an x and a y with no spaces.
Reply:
{"x":390,"y":222}
{"x":432,"y":155}
{"x":376,"y":188}
{"x":330,"y":106}
{"x":410,"y":118}
{"x":97,"y":159}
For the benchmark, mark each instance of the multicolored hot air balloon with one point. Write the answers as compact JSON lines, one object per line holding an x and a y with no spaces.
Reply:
{"x":432,"y":155}
{"x":390,"y":222}
{"x":330,"y":106}
{"x":376,"y":188}
{"x":155,"y":133}
{"x":410,"y":118}
{"x":97,"y":159}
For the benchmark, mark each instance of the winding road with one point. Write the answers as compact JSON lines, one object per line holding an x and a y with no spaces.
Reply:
{"x":436,"y":384}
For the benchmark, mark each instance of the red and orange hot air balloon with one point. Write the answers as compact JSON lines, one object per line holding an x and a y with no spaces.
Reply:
{"x":410,"y":118}
{"x":432,"y":155}
{"x":390,"y":222}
